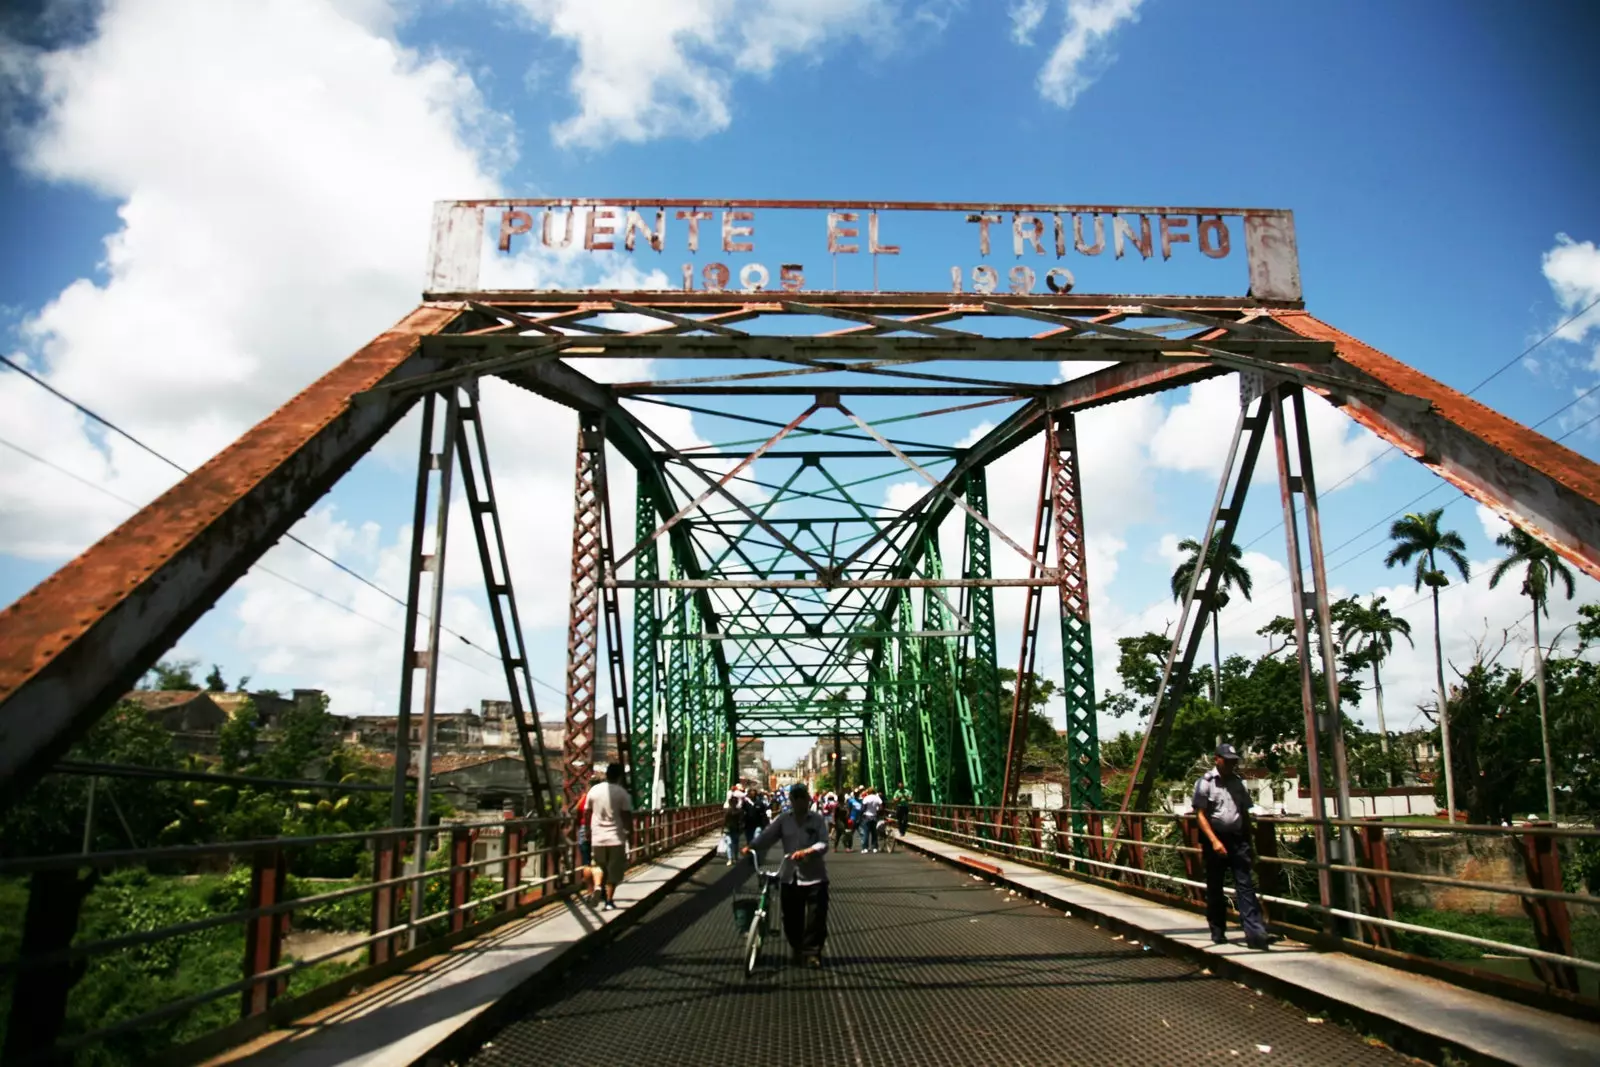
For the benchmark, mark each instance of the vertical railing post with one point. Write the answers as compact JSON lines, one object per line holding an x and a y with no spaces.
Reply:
{"x":1269,"y":876}
{"x":1095,"y":845}
{"x":1552,"y":926}
{"x":1135,"y":850}
{"x":385,"y":899}
{"x":39,"y":1005}
{"x":1377,"y":891}
{"x":511,"y":870}
{"x":263,"y":935}
{"x":460,"y":876}
{"x":1194,"y":864}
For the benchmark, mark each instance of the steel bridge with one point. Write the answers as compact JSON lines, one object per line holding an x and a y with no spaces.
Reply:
{"x":829,"y":567}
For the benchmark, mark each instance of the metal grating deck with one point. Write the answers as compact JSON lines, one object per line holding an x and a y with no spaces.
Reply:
{"x":926,"y":966}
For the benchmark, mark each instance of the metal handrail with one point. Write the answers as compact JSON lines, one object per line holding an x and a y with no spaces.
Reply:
{"x":654,"y":841}
{"x":76,"y":861}
{"x":1582,"y":899}
{"x":931,"y":815}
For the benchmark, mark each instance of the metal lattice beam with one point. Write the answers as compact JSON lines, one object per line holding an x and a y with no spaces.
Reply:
{"x":1077,"y":649}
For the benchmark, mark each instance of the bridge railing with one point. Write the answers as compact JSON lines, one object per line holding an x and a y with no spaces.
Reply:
{"x":1441,"y":924}
{"x":461,"y":896}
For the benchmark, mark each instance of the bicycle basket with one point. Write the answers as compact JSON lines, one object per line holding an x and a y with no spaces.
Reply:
{"x":744,"y":909}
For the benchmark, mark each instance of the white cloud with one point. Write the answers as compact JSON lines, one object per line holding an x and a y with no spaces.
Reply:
{"x":1025,"y":18}
{"x":648,"y":69}
{"x":1493,"y":525}
{"x":1195,"y":434}
{"x":1573,"y":270}
{"x":1082,"y":52}
{"x":275,"y":166}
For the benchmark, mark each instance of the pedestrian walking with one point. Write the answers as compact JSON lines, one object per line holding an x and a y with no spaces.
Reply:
{"x":610,"y":829}
{"x":581,"y":817}
{"x":803,"y":876}
{"x":871,"y":805}
{"x":902,"y":806}
{"x":733,"y":807}
{"x":1222,"y":808}
{"x":755,"y":815}
{"x":841,"y":823}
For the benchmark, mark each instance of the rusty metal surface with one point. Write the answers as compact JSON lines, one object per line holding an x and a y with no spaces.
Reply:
{"x":583,"y":620}
{"x":83,"y":636}
{"x":600,"y":300}
{"x":1522,"y":475}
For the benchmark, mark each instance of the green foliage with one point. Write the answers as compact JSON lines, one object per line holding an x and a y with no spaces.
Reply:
{"x":49,"y":819}
{"x":173,"y":675}
{"x":1539,"y":565}
{"x":1417,"y":537}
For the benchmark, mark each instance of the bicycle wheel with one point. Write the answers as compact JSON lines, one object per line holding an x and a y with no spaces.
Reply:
{"x":752,"y":944}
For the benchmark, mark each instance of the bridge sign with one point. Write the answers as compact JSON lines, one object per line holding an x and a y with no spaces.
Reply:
{"x":753,"y":246}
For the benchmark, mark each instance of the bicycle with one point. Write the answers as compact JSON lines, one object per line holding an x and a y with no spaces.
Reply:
{"x":764,"y":920}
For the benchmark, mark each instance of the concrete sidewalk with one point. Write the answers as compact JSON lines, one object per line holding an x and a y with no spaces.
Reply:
{"x":400,"y":1020}
{"x":1487,"y":1027}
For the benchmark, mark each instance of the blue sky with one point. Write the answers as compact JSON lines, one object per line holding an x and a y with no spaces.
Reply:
{"x":263,"y":180}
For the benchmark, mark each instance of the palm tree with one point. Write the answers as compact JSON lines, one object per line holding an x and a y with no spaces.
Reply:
{"x":1230,"y":573}
{"x":1418,"y":537}
{"x":1372,"y":628}
{"x":1540,"y":565}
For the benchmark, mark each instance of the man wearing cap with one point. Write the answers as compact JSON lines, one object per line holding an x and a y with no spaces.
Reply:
{"x":803,"y":876}
{"x":1223,"y":810}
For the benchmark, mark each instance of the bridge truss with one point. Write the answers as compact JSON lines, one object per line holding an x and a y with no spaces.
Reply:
{"x":829,"y":566}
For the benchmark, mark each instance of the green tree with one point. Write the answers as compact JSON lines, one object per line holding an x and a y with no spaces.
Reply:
{"x":1371,"y":627}
{"x":1497,"y":742}
{"x":1419,"y":540}
{"x":175,"y":675}
{"x":304,"y":738}
{"x":1231,"y":573}
{"x":215,"y":683}
{"x":53,"y":816}
{"x":1539,"y":565}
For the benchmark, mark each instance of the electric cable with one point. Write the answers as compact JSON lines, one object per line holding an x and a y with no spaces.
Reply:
{"x":119,"y":431}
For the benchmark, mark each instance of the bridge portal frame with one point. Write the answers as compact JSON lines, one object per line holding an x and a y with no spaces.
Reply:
{"x":69,"y":648}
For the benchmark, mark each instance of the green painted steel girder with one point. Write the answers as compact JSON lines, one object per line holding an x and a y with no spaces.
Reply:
{"x":981,"y":666}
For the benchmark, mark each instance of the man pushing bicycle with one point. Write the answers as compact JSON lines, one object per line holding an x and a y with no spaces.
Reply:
{"x":803,"y":876}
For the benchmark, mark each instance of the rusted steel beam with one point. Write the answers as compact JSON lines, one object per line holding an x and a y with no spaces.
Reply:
{"x":81,"y":638}
{"x":600,"y":301}
{"x":1546,"y":489}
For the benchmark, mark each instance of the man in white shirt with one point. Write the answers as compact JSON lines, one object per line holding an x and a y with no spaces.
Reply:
{"x":610,"y":812}
{"x":871,"y":805}
{"x":803,"y":876}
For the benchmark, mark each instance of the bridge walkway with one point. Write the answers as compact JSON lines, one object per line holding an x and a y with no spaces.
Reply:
{"x":926,"y":965}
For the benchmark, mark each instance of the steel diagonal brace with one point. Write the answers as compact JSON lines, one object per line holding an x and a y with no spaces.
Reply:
{"x":1237,"y":470}
{"x":938,"y":486}
{"x":1234,"y":360}
{"x":687,"y":322}
{"x":720,"y":486}
{"x":885,"y":322}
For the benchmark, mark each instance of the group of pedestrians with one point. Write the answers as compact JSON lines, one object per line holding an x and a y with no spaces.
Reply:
{"x":745,"y":813}
{"x":857,"y":818}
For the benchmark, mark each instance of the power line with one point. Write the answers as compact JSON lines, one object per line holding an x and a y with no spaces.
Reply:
{"x":1460,"y":496}
{"x":114,"y":428}
{"x":258,"y":567}
{"x":119,"y":431}
{"x":1512,"y":362}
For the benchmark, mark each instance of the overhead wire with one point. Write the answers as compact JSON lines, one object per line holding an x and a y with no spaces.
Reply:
{"x":363,"y":579}
{"x":1507,"y":365}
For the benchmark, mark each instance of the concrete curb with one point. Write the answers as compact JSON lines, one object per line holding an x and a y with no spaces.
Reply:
{"x":1404,"y":1035}
{"x":469,"y":1037}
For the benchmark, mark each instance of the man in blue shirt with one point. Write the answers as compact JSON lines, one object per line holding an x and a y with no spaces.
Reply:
{"x":1222,"y":808}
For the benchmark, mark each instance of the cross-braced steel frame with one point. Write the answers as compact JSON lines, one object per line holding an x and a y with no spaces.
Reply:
{"x":815,"y":557}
